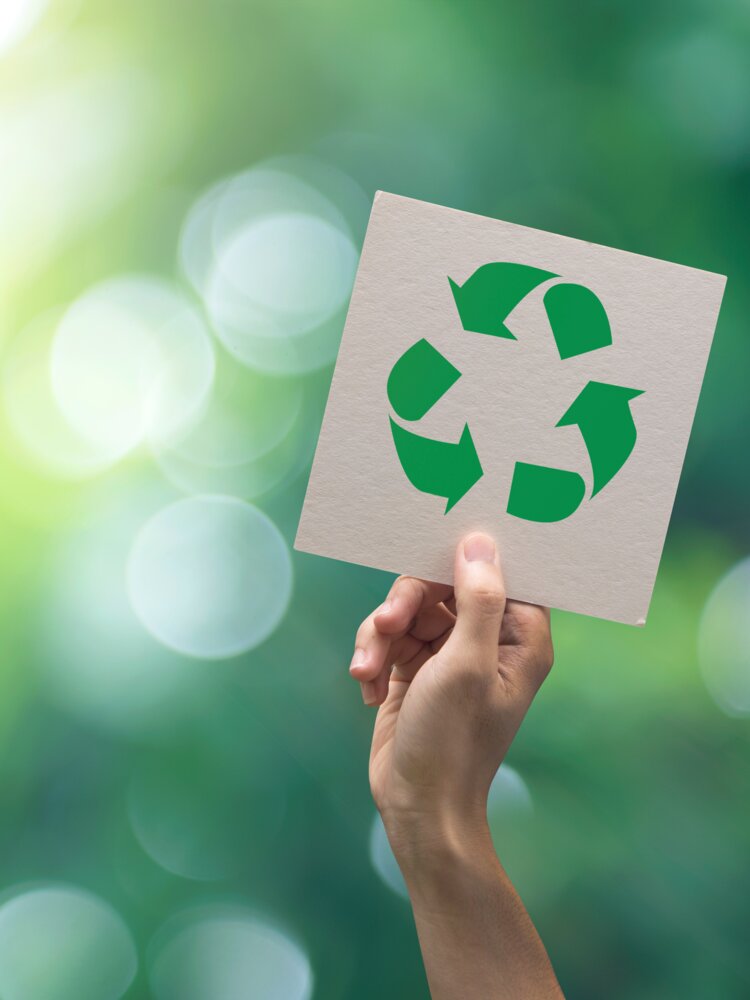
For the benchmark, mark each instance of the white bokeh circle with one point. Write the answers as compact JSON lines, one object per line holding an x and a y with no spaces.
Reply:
{"x":273,"y":252}
{"x":210,"y":576}
{"x":257,"y":433}
{"x":383,"y":860}
{"x":293,"y":267}
{"x":59,"y":942}
{"x":280,"y":185}
{"x":228,"y":954}
{"x":509,"y":796}
{"x":277,"y":291}
{"x":724,"y":641}
{"x":33,"y":414}
{"x":131,"y":362}
{"x":97,"y":661}
{"x":196,"y":826}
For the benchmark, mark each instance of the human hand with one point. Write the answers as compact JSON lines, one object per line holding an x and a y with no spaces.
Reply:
{"x":466,"y":665}
{"x":454,"y":670}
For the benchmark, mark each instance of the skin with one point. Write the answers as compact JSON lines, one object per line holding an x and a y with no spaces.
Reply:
{"x":453,"y":671}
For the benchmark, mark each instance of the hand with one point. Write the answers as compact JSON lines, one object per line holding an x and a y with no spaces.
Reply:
{"x":454,"y":670}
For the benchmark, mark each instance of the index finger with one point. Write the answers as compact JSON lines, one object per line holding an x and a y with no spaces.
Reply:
{"x":407,"y":598}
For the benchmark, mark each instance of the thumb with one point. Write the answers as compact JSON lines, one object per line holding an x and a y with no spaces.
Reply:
{"x":480,"y":595}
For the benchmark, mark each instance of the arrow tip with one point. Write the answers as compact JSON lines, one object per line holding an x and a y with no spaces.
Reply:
{"x":477,"y":314}
{"x":469,"y":469}
{"x":592,"y":397}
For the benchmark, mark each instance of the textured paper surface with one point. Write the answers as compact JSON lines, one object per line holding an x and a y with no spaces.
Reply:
{"x":602,"y":560}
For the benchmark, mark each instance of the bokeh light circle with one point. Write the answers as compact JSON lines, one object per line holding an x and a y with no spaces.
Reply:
{"x":228,"y":954}
{"x":62,"y":943}
{"x":201,"y":813}
{"x":280,"y":185}
{"x":282,"y":279}
{"x":273,"y":253}
{"x":383,"y":860}
{"x":295,"y":268}
{"x":257,"y":433}
{"x":724,"y":641}
{"x":210,"y":576}
{"x":131,"y":361}
{"x":509,"y":796}
{"x":98,"y":663}
{"x":33,"y":414}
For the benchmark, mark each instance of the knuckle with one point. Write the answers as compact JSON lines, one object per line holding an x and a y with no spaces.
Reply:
{"x":407,"y":587}
{"x":548,"y":658}
{"x":545,"y":659}
{"x":363,"y":632}
{"x":487,"y":598}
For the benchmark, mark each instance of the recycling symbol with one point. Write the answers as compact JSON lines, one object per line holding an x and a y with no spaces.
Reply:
{"x":422,"y":375}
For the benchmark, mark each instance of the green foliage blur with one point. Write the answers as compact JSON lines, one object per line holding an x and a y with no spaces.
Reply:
{"x":242,"y":782}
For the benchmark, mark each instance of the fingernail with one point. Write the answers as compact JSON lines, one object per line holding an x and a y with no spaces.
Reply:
{"x":368,"y":692}
{"x":385,"y":608}
{"x":479,"y":548}
{"x":358,"y":660}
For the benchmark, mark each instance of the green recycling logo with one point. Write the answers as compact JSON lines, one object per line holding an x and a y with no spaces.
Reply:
{"x":422,"y":375}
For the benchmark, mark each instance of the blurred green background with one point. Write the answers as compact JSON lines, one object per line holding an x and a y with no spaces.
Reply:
{"x":184,"y":186}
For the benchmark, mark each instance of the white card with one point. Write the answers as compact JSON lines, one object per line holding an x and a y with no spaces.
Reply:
{"x":497,"y":378}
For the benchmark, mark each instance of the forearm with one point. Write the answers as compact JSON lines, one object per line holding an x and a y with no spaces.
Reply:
{"x":477,"y":940}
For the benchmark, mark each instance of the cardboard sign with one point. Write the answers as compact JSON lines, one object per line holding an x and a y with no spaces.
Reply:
{"x":497,"y":378}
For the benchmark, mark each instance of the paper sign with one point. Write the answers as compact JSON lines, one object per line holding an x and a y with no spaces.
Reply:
{"x":498,"y":378}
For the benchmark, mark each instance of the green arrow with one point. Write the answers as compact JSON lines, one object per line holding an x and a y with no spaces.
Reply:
{"x":539,"y":493}
{"x":485,"y":300}
{"x":418,"y":380}
{"x":602,"y":412}
{"x":578,"y":320}
{"x":441,"y":468}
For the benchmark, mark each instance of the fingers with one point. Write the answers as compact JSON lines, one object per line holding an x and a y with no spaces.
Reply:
{"x":524,"y":624}
{"x":526,"y":643}
{"x":407,"y":598}
{"x":480,"y":599}
{"x":375,"y":652}
{"x":383,"y":639}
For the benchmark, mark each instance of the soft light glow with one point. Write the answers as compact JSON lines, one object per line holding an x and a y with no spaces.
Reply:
{"x":210,"y":576}
{"x":294,"y":265}
{"x":131,"y":361}
{"x":509,"y":815}
{"x":509,"y":797}
{"x":72,"y":150}
{"x":724,"y":641}
{"x":17,"y":19}
{"x":32,"y":410}
{"x":196,"y":818}
{"x":99,"y":663}
{"x":62,"y":943}
{"x":273,"y":252}
{"x":283,"y":277}
{"x":228,"y":955}
{"x":697,"y":84}
{"x":281,"y":185}
{"x":382,"y":859}
{"x":255,"y":434}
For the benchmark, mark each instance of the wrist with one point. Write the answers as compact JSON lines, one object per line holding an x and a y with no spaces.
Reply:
{"x":435,"y":847}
